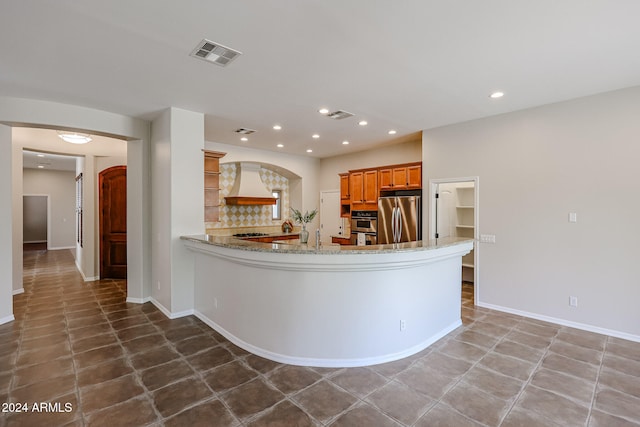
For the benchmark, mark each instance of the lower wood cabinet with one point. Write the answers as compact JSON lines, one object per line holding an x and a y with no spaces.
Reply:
{"x":340,"y":240}
{"x":270,"y":239}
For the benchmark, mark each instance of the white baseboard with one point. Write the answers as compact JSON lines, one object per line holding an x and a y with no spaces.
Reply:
{"x":7,"y":319}
{"x":168,"y":313}
{"x":85,"y":278}
{"x":34,"y":241}
{"x":563,"y":322}
{"x":138,"y":300}
{"x":18,"y":291}
{"x":326,"y":363}
{"x":59,"y":248}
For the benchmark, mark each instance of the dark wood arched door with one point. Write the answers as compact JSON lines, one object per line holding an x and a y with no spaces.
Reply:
{"x":113,"y":222}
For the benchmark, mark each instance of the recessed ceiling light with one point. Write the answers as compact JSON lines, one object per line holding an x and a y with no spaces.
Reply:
{"x":392,"y":132}
{"x":323,"y":111}
{"x":244,"y":138}
{"x":40,"y":155}
{"x":362,"y":123}
{"x":40,"y":167}
{"x":309,"y":150}
{"x":496,"y":95}
{"x":315,"y":136}
{"x":74,"y":137}
{"x":345,"y":142}
{"x":277,"y":127}
{"x":280,"y":145}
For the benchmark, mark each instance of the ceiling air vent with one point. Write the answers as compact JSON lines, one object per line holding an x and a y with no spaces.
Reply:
{"x":214,"y":52}
{"x":339,"y":115}
{"x":244,"y":131}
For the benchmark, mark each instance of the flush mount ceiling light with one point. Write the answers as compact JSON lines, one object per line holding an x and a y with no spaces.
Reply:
{"x":363,"y":123}
{"x":40,"y":167}
{"x":40,"y":155}
{"x":74,"y":137}
{"x":323,"y":111}
{"x":280,"y":145}
{"x":277,"y":127}
{"x":309,"y":150}
{"x":315,"y":136}
{"x":244,"y":138}
{"x":345,"y":142}
{"x":392,"y":132}
{"x":496,"y":95}
{"x":215,"y":53}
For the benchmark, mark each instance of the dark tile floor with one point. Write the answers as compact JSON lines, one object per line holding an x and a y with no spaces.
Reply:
{"x":112,"y":363}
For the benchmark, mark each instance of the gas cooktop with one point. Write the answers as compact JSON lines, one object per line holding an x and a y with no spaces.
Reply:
{"x":249,"y":234}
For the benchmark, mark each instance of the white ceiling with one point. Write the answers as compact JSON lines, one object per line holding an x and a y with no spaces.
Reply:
{"x":407,"y":65}
{"x":61,"y":155}
{"x":48,"y":161}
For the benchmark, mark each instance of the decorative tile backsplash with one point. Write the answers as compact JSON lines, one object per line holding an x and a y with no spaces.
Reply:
{"x":234,"y":216}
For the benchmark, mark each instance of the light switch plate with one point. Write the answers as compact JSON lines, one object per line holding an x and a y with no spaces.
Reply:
{"x":487,"y":238}
{"x":573,"y":217}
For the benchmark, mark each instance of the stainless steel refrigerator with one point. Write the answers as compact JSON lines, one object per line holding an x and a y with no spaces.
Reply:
{"x":399,"y":219}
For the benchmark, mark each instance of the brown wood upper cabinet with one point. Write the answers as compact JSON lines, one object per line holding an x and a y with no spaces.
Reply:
{"x":364,"y":189}
{"x":345,"y":197}
{"x":400,"y":177}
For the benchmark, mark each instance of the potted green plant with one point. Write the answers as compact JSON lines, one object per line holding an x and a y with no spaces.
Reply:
{"x":304,"y":220}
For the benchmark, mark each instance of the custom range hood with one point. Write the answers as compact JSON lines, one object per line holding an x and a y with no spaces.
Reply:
{"x":248,"y":188}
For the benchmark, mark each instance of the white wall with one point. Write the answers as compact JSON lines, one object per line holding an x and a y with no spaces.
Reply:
{"x":60,"y":186}
{"x":536,"y":166}
{"x":178,"y":205}
{"x":6,"y":233}
{"x":106,"y":162}
{"x":15,"y":200}
{"x":34,"y":214}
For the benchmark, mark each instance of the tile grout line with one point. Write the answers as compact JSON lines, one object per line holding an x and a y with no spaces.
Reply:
{"x":528,"y":382}
{"x":127,"y":359}
{"x":597,"y":381}
{"x":500,"y":340}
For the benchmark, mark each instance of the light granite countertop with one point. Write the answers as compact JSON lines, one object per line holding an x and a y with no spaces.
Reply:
{"x":292,"y":247}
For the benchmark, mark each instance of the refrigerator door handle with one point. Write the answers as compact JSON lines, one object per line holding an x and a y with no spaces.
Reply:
{"x":393,"y":223}
{"x":397,"y":225}
{"x":399,"y":218}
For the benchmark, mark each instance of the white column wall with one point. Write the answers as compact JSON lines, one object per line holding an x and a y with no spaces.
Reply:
{"x":178,"y":206}
{"x":6,"y":233}
{"x":187,"y":202}
{"x":16,"y":221}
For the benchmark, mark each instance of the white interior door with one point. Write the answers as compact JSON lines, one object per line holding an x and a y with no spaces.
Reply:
{"x":330,"y":220}
{"x":445,"y":210}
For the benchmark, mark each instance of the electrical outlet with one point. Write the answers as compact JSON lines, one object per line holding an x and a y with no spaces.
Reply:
{"x":573,"y":301}
{"x":403,"y":325}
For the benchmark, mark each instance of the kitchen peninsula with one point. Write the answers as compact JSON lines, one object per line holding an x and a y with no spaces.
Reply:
{"x":329,"y":306}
